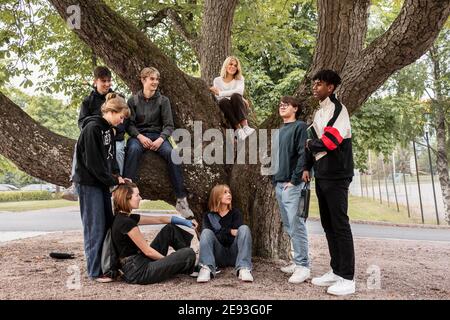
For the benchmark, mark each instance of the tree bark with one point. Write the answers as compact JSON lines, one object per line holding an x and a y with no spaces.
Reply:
{"x":441,"y":135}
{"x":363,"y":71}
{"x":341,"y":34}
{"x":213,"y":44}
{"x":126,"y":50}
{"x":33,"y":148}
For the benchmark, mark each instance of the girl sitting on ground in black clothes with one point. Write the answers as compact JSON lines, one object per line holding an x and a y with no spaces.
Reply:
{"x":143,"y":263}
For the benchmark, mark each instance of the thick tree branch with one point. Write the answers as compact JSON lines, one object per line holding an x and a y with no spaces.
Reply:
{"x":126,"y":50}
{"x":33,"y":148}
{"x":364,"y":71}
{"x":408,"y":38}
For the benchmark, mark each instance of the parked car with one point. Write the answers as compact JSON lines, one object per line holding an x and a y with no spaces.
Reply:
{"x":39,"y":187}
{"x":8,"y":187}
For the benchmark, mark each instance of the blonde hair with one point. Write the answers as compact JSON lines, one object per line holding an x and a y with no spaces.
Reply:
{"x":115,"y":103}
{"x":216,"y":195}
{"x":146,"y":72}
{"x":122,"y":196}
{"x":238,"y":74}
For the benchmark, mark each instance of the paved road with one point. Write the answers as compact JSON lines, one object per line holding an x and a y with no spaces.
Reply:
{"x":12,"y":225}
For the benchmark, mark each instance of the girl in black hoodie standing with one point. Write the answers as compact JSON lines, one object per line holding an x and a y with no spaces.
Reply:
{"x":96,"y":171}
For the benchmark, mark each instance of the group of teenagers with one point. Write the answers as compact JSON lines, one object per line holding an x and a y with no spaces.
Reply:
{"x":105,"y":166}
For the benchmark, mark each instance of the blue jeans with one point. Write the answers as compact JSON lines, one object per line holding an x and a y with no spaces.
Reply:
{"x":134,"y":152}
{"x":97,"y":217}
{"x":213,"y":253}
{"x":288,"y":202}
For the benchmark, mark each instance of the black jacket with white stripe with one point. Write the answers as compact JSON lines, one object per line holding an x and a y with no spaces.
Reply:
{"x":331,"y":154}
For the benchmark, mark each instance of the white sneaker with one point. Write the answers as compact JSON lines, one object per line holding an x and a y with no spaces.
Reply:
{"x":288,"y":269}
{"x":248,"y":131}
{"x":70,"y":193}
{"x":182,"y":207}
{"x":194,"y":273}
{"x":300,"y":274}
{"x":328,"y":279}
{"x":342,"y":287}
{"x":245,"y":275}
{"x":240,"y":134}
{"x":104,"y":279}
{"x":204,"y":275}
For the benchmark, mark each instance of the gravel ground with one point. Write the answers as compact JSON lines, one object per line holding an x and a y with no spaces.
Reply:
{"x":406,"y":269}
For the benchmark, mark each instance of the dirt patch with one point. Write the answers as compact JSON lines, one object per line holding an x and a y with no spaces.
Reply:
{"x":407,"y":270}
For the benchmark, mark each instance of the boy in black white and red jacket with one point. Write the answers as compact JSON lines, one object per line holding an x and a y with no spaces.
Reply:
{"x":331,"y":156}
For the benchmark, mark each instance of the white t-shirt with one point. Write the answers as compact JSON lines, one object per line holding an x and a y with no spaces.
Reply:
{"x":227,"y":89}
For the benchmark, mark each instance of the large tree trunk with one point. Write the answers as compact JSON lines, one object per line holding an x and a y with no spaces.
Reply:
{"x":442,"y":158}
{"x":126,"y":50}
{"x":213,"y":44}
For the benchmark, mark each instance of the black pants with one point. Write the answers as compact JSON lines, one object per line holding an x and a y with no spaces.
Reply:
{"x":140,"y":269}
{"x":233,"y":109}
{"x":333,"y":205}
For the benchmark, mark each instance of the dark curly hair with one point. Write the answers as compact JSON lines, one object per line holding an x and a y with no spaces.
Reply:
{"x":328,"y":76}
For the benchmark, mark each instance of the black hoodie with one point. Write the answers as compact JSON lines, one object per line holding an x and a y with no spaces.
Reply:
{"x":96,"y":159}
{"x":91,"y":106}
{"x":152,"y":115}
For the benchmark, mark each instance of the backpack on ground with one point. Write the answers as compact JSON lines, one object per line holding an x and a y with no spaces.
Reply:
{"x":110,"y":257}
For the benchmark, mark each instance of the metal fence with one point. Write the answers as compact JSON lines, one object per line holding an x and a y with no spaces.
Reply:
{"x":403,"y":181}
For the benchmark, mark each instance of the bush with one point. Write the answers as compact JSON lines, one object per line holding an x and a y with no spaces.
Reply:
{"x":10,"y":196}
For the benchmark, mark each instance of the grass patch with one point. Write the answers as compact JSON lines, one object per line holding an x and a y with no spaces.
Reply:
{"x":155,"y":205}
{"x":61,"y":203}
{"x":35,"y":205}
{"x":370,"y":210}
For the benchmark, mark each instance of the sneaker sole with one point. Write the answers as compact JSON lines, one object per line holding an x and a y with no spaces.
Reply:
{"x":345,"y":293}
{"x":247,"y":280}
{"x":104,"y":280}
{"x":298,"y":281}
